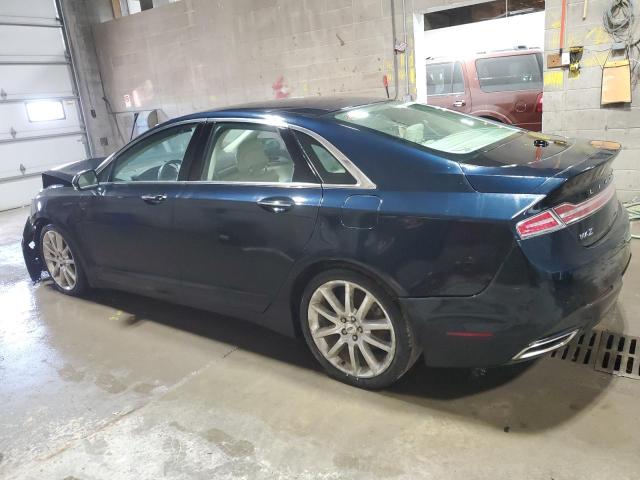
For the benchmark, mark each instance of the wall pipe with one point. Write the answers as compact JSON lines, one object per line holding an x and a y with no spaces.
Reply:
{"x":406,"y":57}
{"x":395,"y":54}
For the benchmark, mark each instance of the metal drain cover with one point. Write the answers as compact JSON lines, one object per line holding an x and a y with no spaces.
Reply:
{"x":582,"y":349}
{"x":619,"y":355}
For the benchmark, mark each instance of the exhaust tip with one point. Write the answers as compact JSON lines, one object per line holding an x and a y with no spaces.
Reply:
{"x":545,"y":345}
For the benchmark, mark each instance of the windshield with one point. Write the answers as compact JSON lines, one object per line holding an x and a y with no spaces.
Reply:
{"x":432,"y":127}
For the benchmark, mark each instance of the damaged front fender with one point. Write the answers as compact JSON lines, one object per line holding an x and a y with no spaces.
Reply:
{"x":31,"y":251}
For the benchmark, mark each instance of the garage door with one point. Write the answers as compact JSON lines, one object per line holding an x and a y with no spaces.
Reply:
{"x":40,"y":121}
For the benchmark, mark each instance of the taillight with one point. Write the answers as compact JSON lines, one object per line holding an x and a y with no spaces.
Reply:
{"x":570,"y":213}
{"x":565,"y":214}
{"x":539,"y":103}
{"x":544,"y":222}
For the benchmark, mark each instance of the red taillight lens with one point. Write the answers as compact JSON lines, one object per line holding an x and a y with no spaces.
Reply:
{"x":565,"y":214}
{"x":570,"y":213}
{"x":544,"y":222}
{"x":539,"y":103}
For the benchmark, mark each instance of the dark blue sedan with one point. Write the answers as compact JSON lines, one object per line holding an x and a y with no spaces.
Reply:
{"x":378,"y":231}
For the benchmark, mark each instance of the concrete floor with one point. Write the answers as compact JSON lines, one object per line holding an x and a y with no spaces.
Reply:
{"x":120,"y":387}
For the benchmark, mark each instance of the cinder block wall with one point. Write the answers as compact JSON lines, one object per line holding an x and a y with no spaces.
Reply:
{"x":80,"y":17}
{"x":198,"y":54}
{"x":572,"y":103}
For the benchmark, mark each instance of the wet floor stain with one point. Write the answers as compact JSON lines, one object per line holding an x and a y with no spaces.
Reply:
{"x":70,"y":373}
{"x":109,"y":383}
{"x":144,"y":388}
{"x":228,"y":444}
{"x":98,"y":446}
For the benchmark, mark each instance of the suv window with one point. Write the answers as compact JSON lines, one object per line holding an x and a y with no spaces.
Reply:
{"x":329,"y":168}
{"x":445,"y":78}
{"x":514,"y":72}
{"x":248,"y":153}
{"x":156,"y":158}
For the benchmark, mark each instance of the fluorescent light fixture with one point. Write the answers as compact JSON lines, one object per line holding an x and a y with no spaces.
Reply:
{"x":45,"y":110}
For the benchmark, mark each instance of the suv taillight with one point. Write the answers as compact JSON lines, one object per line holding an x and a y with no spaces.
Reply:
{"x":539,"y":103}
{"x":565,"y":214}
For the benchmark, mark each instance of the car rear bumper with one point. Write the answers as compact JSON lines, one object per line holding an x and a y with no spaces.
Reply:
{"x":525,"y":305}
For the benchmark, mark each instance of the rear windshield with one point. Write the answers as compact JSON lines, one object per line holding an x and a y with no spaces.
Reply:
{"x":429,"y":126}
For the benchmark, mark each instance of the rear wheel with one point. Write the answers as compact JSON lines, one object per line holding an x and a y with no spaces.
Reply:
{"x":61,"y":262}
{"x":355,"y":330}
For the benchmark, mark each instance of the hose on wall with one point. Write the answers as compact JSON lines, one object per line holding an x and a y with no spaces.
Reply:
{"x":634,"y":214}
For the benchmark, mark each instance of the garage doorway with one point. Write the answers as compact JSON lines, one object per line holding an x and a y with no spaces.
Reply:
{"x":484,"y":59}
{"x":41,"y":124}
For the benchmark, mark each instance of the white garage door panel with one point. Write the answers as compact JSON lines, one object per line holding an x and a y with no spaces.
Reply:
{"x":39,"y":155}
{"x":34,"y":65}
{"x":35,"y":81}
{"x":18,"y":193}
{"x":34,"y":9}
{"x":35,"y":43}
{"x":14,"y":115}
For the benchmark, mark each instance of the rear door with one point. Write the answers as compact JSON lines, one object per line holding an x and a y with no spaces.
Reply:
{"x":446,"y":86}
{"x":127,"y":227}
{"x":244,"y":217}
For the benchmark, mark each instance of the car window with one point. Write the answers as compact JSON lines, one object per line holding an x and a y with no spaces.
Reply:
{"x":248,"y":153}
{"x":156,"y":158}
{"x":457,"y":81}
{"x":429,"y":126}
{"x":329,"y":168}
{"x":439,"y":78}
{"x":445,"y":78}
{"x":514,"y":72}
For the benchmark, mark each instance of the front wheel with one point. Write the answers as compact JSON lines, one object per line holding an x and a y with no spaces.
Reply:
{"x":61,"y":261}
{"x":355,"y":330}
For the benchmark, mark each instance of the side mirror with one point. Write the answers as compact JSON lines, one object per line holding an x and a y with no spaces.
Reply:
{"x":85,"y":180}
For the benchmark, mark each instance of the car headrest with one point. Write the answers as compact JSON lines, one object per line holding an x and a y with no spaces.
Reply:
{"x":251,"y":156}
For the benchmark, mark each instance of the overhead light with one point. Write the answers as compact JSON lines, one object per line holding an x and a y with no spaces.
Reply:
{"x":45,"y":110}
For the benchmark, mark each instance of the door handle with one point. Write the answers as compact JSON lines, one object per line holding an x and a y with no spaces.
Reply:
{"x":276,"y":204}
{"x":153,"y":199}
{"x":459,"y":103}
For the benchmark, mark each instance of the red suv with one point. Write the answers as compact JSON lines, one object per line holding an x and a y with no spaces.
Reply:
{"x":505,"y":86}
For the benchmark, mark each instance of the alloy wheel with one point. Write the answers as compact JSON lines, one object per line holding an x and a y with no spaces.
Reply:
{"x":351,"y":328}
{"x":59,"y":260}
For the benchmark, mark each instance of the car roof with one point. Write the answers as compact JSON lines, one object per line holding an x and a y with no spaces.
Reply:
{"x":487,"y":54}
{"x":310,"y":107}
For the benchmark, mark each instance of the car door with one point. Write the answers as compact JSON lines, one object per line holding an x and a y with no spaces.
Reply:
{"x":128,"y":224}
{"x":244,"y":217}
{"x":446,"y":86}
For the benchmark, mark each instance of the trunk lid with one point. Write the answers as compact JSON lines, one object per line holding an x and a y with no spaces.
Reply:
{"x":575,"y":176}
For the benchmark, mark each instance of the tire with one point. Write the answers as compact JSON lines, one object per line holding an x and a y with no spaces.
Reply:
{"x":60,"y":258}
{"x":339,"y":340}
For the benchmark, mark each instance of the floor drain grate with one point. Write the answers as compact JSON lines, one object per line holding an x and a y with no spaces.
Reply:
{"x":619,"y":355}
{"x":581,"y":350}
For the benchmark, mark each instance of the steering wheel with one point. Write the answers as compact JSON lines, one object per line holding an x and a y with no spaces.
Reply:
{"x":169,"y":170}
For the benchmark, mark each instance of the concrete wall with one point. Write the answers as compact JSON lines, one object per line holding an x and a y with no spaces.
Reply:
{"x":198,"y":54}
{"x":79,"y":18}
{"x":572,"y":103}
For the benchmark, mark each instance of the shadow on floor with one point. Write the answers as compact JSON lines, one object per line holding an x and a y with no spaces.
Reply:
{"x":522,"y":398}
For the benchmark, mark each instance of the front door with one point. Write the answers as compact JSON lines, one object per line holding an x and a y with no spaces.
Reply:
{"x":446,"y":87}
{"x":244,"y":217}
{"x":128,"y":224}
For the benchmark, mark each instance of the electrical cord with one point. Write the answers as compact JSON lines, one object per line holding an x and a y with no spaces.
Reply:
{"x":634,"y":214}
{"x":619,"y":22}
